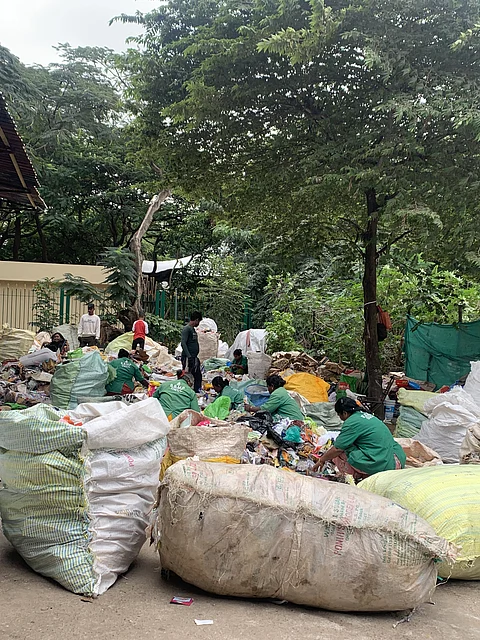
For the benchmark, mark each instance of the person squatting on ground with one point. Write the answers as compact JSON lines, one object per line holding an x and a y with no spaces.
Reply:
{"x":127,"y":372}
{"x":239,"y":365}
{"x":365,"y":445}
{"x":177,"y":395}
{"x":190,"y":350}
{"x":222,"y":388}
{"x":280,"y":404}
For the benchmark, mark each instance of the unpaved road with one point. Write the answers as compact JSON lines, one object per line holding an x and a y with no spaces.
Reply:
{"x":137,"y":608}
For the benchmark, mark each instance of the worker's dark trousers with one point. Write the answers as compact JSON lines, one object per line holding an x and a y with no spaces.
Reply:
{"x":195,"y":371}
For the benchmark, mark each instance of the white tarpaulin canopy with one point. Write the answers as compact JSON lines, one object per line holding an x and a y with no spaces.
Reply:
{"x":161,"y":270}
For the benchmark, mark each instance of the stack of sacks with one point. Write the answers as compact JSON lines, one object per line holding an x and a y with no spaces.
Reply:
{"x":78,"y":488}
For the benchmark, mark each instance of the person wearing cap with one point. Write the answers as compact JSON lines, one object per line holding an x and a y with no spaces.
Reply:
{"x":365,"y":445}
{"x":89,"y":328}
{"x":177,"y":396}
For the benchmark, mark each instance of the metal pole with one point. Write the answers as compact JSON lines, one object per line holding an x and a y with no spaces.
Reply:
{"x":157,"y":303}
{"x":67,"y":310}
{"x":176,"y":304}
{"x":162,"y":304}
{"x":62,"y":303}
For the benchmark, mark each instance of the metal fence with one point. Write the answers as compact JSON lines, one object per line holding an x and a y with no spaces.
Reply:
{"x":17,"y":308}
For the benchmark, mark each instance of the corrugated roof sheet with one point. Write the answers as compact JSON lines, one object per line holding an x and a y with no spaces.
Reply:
{"x":18,"y":180}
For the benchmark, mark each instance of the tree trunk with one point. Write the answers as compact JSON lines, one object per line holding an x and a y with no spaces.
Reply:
{"x":41,"y":236}
{"x":17,"y":237}
{"x":372,"y":356}
{"x":136,"y":244}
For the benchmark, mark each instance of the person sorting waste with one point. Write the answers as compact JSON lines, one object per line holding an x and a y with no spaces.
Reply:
{"x":127,"y":372}
{"x":364,"y":446}
{"x":280,"y":404}
{"x":140,"y":331}
{"x":58,"y":344}
{"x":177,"y":395}
{"x":239,"y":365}
{"x":223,"y":388}
{"x":190,"y":350}
{"x":89,"y":328}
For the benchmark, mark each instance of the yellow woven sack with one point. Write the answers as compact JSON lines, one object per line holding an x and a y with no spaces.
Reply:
{"x":169,"y":459}
{"x":448,"y":498}
{"x":311,"y":387}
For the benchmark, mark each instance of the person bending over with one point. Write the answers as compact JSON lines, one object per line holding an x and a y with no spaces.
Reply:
{"x":223,"y":388}
{"x":177,"y":395}
{"x":365,"y":445}
{"x":280,"y":404}
{"x":127,"y":373}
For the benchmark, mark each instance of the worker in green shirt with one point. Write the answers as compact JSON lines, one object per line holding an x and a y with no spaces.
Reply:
{"x":177,"y":395}
{"x":190,"y":350}
{"x":127,"y":372}
{"x":223,"y":388}
{"x":239,"y":365}
{"x":280,"y":404}
{"x":365,"y":445}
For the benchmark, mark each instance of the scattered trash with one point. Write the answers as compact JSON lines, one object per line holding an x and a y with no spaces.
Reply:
{"x":186,"y":602}
{"x":202,"y":622}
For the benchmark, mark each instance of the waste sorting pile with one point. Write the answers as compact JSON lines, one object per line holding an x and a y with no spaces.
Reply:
{"x":254,"y":531}
{"x":78,"y":487}
{"x":236,"y":513}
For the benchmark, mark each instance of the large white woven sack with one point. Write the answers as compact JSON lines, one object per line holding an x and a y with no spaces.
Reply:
{"x":75,"y":500}
{"x":255,"y":531}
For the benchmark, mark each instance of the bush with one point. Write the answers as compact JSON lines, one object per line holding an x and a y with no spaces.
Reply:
{"x":167,"y":332}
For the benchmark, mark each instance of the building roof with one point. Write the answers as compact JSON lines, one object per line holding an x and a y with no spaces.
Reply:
{"x":18,"y":180}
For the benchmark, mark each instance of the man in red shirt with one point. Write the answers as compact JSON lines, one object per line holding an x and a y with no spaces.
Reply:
{"x":140,"y":330}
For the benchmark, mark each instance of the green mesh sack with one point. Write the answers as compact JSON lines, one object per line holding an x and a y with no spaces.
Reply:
{"x":86,"y":376}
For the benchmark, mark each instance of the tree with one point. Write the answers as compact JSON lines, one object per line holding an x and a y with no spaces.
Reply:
{"x":309,"y":120}
{"x":74,"y":123}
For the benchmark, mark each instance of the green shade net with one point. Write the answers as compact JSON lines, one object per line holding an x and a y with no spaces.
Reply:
{"x":440,"y":353}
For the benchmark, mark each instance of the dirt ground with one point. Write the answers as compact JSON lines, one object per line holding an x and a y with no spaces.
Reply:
{"x":137,"y":607}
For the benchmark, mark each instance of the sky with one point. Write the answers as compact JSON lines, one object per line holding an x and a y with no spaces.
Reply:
{"x":30,"y":28}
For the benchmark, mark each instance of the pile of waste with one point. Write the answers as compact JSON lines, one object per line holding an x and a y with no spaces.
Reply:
{"x":295,"y":361}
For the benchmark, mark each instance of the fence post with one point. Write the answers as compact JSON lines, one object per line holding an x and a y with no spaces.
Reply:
{"x":157,"y":303}
{"x":162,"y":303}
{"x":62,"y":303}
{"x":67,"y":310}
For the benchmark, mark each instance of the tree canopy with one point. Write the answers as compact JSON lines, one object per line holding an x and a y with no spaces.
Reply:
{"x":303,"y":140}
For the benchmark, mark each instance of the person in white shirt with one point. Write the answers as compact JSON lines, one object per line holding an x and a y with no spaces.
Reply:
{"x":89,"y":328}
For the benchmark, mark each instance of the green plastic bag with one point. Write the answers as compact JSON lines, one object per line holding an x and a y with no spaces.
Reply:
{"x":218,"y":409}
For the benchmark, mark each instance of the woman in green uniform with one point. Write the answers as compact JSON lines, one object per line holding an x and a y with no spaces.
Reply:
{"x":127,"y":372}
{"x":280,"y":404}
{"x":365,"y":445}
{"x":223,"y":388}
{"x":177,"y":395}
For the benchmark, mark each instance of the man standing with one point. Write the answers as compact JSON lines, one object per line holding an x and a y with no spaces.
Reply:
{"x":89,"y":328}
{"x":140,"y":330}
{"x":190,"y":350}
